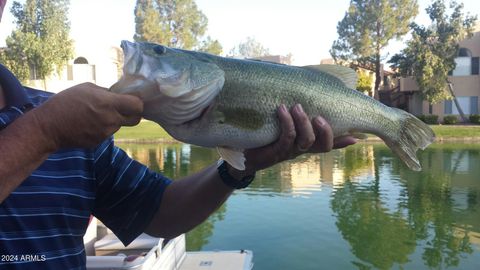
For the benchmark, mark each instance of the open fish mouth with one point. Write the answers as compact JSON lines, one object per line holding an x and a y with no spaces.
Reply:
{"x":176,"y":88}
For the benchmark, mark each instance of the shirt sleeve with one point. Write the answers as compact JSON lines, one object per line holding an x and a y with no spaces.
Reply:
{"x":128,"y":194}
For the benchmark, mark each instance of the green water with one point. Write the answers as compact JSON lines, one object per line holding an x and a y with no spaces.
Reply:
{"x":356,"y":208}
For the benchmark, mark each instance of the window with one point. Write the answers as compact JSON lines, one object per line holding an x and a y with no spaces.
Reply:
{"x":463,"y":66}
{"x":475,"y":65}
{"x":464,"y":52}
{"x":80,"y":60}
{"x":469,"y":105}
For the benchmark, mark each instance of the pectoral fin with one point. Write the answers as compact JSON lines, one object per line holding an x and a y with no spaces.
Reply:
{"x":234,"y":157}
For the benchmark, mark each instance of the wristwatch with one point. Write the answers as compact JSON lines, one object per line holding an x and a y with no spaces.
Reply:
{"x":231,"y":181}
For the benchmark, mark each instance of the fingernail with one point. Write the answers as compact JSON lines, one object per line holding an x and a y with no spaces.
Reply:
{"x":320,"y":121}
{"x":299,"y":108}
{"x":283,"y":108}
{"x":302,"y":149}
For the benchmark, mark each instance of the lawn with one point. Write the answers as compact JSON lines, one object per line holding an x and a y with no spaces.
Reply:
{"x":456,"y":131}
{"x":149,"y":131}
{"x":144,"y":131}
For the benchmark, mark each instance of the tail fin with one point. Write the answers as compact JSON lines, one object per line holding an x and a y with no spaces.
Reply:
{"x":413,"y":134}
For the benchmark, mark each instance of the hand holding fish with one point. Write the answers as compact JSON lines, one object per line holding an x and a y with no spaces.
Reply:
{"x":299,"y":135}
{"x":84,"y":115}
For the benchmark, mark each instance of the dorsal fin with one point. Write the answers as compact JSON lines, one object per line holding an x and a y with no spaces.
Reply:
{"x":347,"y":75}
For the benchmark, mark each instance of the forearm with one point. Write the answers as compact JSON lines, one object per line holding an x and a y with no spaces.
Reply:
{"x":188,"y":202}
{"x":23,"y":148}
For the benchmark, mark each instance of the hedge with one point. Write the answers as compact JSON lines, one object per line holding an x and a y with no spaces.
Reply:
{"x":450,"y":119}
{"x":431,"y":119}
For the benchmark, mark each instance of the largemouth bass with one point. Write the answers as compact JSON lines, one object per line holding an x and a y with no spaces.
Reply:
{"x":231,"y":104}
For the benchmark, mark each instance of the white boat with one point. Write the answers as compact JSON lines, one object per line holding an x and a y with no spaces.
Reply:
{"x":150,"y":253}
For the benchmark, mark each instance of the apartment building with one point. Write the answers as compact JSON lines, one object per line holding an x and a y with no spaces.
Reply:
{"x":404,"y":93}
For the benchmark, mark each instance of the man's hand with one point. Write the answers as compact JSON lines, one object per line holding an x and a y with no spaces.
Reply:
{"x":189,"y":201}
{"x":299,"y":135}
{"x":84,"y":115}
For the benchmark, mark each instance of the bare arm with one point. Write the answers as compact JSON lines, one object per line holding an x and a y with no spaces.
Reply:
{"x":81,"y":116}
{"x":189,"y":201}
{"x":23,"y":149}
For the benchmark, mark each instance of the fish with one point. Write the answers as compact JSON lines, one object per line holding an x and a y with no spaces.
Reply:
{"x":231,"y":104}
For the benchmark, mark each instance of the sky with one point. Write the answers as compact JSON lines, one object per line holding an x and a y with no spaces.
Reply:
{"x":305,"y":28}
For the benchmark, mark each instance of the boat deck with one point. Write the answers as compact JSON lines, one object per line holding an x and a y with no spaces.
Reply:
{"x":150,"y":253}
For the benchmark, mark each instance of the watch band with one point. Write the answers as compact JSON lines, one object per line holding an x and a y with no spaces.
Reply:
{"x":229,"y":180}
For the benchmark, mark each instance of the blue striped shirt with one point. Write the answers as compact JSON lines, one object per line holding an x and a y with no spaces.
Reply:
{"x":43,"y":221}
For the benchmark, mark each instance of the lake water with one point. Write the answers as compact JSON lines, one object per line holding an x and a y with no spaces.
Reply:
{"x":355,"y":208}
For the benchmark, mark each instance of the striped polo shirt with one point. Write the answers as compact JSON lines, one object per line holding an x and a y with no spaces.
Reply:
{"x":43,"y":221}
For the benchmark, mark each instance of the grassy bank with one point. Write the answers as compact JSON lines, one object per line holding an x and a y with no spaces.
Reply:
{"x":456,"y":131}
{"x":150,"y":131}
{"x":145,"y":131}
{"x":451,"y":133}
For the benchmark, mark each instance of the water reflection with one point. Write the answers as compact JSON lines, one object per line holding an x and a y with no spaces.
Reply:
{"x":375,"y":235}
{"x":435,"y":213}
{"x":307,"y":174}
{"x":390,"y":216}
{"x":174,"y":161}
{"x":442,"y":204}
{"x":301,"y":176}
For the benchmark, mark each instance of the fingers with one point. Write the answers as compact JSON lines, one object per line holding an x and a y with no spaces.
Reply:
{"x":130,"y":109}
{"x":128,"y":105}
{"x":131,"y":121}
{"x":288,"y":132}
{"x":297,"y":134}
{"x":344,"y":141}
{"x":323,"y":135}
{"x":304,"y":130}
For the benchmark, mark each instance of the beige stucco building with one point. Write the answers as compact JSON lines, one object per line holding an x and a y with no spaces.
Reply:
{"x":100,"y":66}
{"x":404,"y":93}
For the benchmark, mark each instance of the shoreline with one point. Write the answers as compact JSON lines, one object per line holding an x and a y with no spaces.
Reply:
{"x":367,"y":140}
{"x":437,"y":139}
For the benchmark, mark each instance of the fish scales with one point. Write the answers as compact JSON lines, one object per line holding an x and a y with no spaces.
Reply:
{"x":265,"y":88}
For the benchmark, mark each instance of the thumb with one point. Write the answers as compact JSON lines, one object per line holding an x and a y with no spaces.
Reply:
{"x":128,"y":105}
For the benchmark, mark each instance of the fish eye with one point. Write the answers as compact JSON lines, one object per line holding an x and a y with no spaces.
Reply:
{"x":159,"y":49}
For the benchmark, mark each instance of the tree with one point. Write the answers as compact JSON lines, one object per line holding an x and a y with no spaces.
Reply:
{"x":366,"y":30}
{"x":211,"y":46}
{"x":250,"y":48}
{"x":430,"y":54}
{"x":147,"y":23}
{"x":364,"y":83}
{"x":174,"y":23}
{"x":40,"y":44}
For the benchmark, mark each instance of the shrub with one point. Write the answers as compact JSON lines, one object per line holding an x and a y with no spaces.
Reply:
{"x":431,"y":119}
{"x":450,"y":119}
{"x":474,"y":118}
